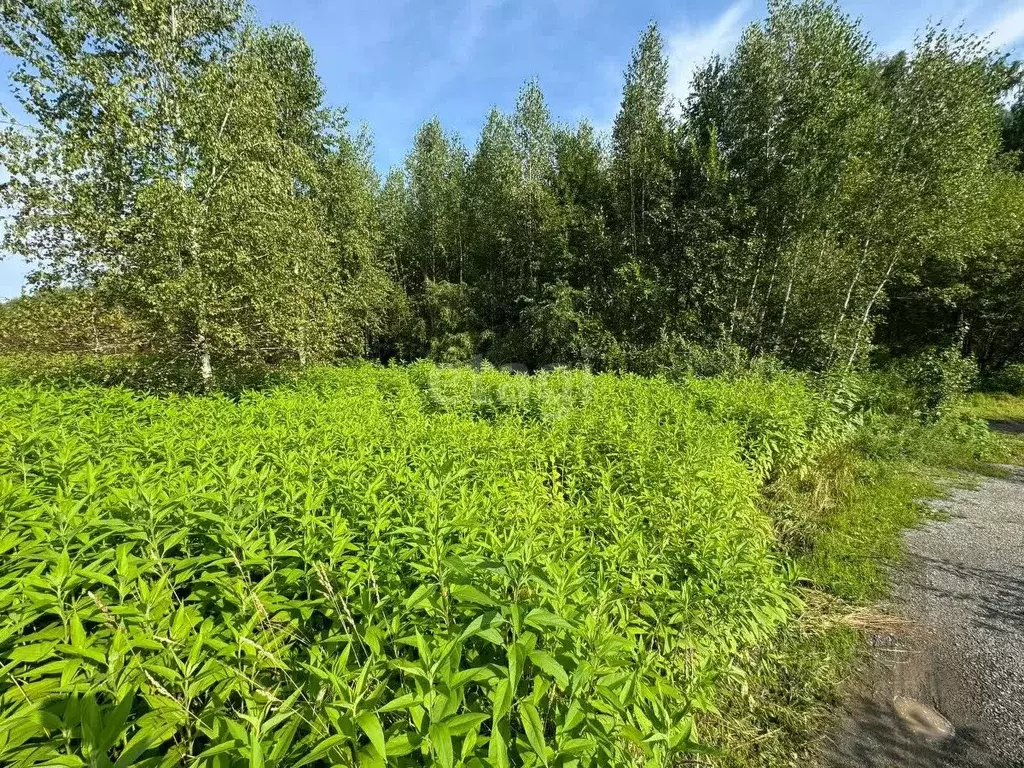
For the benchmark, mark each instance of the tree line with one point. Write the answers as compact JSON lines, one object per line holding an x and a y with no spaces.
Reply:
{"x":812,"y":199}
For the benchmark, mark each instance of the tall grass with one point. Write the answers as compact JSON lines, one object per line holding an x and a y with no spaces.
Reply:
{"x":840,"y":521}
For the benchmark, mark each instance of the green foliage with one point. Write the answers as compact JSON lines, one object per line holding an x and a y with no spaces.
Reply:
{"x":1013,"y":130}
{"x":840,"y":524}
{"x":938,"y":381}
{"x":434,"y":241}
{"x":642,"y":152}
{"x":677,"y":358}
{"x":180,"y":161}
{"x":959,"y":441}
{"x":428,"y":565}
{"x":807,"y":181}
{"x":782,"y":697}
{"x":564,"y":330}
{"x":847,"y":543}
{"x":1009,"y":380}
{"x":998,"y":406}
{"x":376,"y":566}
{"x":143,"y":373}
{"x":65,"y":320}
{"x":392,"y":566}
{"x":812,"y":201}
{"x":450,"y":322}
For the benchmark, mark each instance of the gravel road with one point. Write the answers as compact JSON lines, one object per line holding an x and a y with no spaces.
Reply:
{"x":962,"y":653}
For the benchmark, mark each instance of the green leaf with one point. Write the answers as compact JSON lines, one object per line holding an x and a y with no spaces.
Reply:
{"x":322,"y":749}
{"x":501,"y":699}
{"x":369,"y":758}
{"x":460,"y":725}
{"x":539,"y":619}
{"x":402,"y":744}
{"x":482,"y":623}
{"x":577,"y":746}
{"x":534,"y":729}
{"x":370,"y":724}
{"x":420,"y":598}
{"x":573,"y":717}
{"x":467,"y":593}
{"x":516,"y":657}
{"x":497,"y":750}
{"x":441,"y":741}
{"x":255,"y":752}
{"x":78,"y":638}
{"x":31,"y":653}
{"x":218,"y":749}
{"x":114,"y":721}
{"x":548,"y":663}
{"x":401,"y":703}
{"x":146,"y":739}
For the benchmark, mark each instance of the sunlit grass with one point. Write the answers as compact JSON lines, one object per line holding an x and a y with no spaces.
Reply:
{"x":996,"y":407}
{"x":841,"y":526}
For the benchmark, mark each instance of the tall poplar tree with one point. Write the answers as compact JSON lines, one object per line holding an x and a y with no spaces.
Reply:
{"x":642,"y":150}
{"x":494,"y":179}
{"x":436,"y":171}
{"x":541,"y":245}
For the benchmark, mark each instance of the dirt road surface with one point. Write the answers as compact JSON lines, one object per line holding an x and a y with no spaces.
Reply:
{"x":962,"y":651}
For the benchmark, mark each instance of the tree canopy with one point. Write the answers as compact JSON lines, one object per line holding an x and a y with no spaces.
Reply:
{"x":811,"y":199}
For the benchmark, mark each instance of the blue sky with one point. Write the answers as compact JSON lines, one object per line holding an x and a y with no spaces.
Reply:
{"x":395,"y":63}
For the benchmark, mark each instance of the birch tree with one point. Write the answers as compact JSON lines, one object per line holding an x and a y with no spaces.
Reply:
{"x":169,"y":162}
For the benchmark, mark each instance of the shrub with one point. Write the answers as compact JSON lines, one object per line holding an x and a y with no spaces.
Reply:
{"x":562,"y":328}
{"x":1010,"y":380}
{"x":678,"y":359}
{"x":937,"y":381}
{"x":449,"y":312}
{"x":66,"y":320}
{"x":147,"y":374}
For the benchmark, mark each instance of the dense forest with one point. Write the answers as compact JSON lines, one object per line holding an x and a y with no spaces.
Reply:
{"x":184,"y":191}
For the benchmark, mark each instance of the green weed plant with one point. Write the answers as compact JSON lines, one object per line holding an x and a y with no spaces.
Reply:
{"x":390,"y":566}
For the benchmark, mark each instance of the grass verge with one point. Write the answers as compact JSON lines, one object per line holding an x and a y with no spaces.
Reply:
{"x":841,"y":524}
{"x":1002,"y":407}
{"x":996,"y":406}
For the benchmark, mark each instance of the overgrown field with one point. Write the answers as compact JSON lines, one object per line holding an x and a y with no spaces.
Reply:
{"x":400,"y":566}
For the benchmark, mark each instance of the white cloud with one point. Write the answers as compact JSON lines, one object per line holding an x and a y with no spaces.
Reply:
{"x":1008,"y":29}
{"x":690,"y":46}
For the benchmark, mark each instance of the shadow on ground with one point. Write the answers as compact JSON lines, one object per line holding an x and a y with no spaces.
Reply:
{"x":871,"y":733}
{"x":879,"y":738}
{"x":993,"y":599}
{"x":1010,"y":427}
